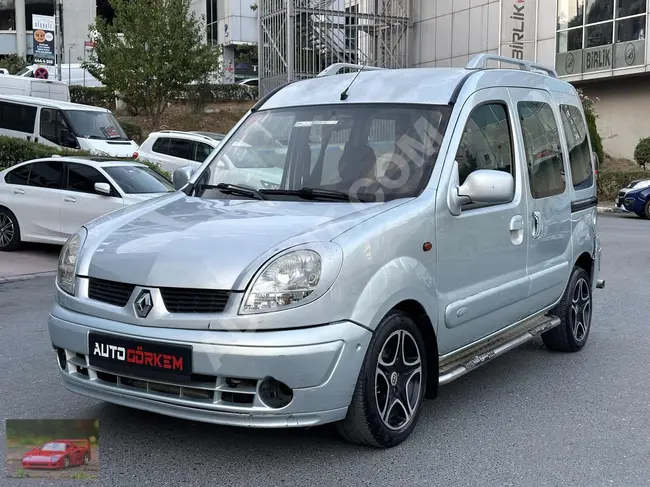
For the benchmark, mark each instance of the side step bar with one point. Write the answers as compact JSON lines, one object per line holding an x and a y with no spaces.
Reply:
{"x":483,"y":355}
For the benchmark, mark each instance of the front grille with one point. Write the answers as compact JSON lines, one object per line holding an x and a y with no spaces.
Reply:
{"x":621,"y":194}
{"x":111,"y":292}
{"x":205,"y":390}
{"x":179,"y":300}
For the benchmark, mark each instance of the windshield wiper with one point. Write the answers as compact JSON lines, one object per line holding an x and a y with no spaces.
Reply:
{"x":312,"y":194}
{"x":235,"y":189}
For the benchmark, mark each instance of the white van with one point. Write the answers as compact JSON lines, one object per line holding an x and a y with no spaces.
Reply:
{"x":64,"y":125}
{"x":72,"y":74}
{"x":42,"y":88}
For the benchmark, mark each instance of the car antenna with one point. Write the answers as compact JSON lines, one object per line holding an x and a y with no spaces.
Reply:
{"x":344,"y":94}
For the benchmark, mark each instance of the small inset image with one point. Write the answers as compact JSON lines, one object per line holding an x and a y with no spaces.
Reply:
{"x":52,"y":448}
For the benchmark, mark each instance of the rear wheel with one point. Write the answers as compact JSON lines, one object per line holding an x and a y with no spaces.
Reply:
{"x":388,"y":396}
{"x":575,"y":311}
{"x":646,"y":210}
{"x":66,"y":462}
{"x":9,"y":230}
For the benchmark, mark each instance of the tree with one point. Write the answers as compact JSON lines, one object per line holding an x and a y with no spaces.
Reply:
{"x":150,"y":52}
{"x":642,"y":152}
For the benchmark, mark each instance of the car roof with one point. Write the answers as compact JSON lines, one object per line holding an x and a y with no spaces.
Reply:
{"x":45,"y":102}
{"x":200,"y":136}
{"x":429,"y":86}
{"x":97,"y":162}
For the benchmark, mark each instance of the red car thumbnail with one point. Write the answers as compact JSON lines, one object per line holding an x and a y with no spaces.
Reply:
{"x":58,"y":454}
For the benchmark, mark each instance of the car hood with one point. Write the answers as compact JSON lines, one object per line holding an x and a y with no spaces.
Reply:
{"x":111,"y":148}
{"x":181,"y":241}
{"x":134,"y":198}
{"x":42,"y":456}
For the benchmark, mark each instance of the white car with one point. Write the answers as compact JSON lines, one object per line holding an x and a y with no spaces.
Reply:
{"x":241,"y":164}
{"x":172,"y":149}
{"x":47,"y":200}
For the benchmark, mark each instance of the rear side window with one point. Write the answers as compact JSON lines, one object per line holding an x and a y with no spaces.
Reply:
{"x":543,"y":149}
{"x":181,"y":148}
{"x":20,"y":118}
{"x":575,"y":131}
{"x":160,"y":145}
{"x":486,"y":142}
{"x":46,"y":175}
{"x":201,"y":151}
{"x":82,"y":178}
{"x":20,"y":175}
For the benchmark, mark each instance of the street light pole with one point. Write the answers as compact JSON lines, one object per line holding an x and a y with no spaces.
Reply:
{"x":58,"y":35}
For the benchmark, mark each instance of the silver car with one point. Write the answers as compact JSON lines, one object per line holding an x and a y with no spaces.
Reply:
{"x":426,"y":221}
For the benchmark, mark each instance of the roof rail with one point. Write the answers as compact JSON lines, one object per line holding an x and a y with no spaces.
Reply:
{"x":480,"y":62}
{"x":184,"y":132}
{"x":336,"y":67}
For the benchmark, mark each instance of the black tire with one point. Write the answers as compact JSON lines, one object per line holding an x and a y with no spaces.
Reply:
{"x":66,"y":462}
{"x":364,"y":423}
{"x":9,"y":231}
{"x":646,"y":210}
{"x":575,"y":310}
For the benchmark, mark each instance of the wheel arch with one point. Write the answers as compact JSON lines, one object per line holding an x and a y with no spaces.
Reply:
{"x":586,"y":261}
{"x":418,"y":314}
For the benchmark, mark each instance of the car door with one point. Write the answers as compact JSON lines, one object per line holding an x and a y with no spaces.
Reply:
{"x":80,"y":202}
{"x":548,"y":195}
{"x":35,"y":199}
{"x":481,"y":253}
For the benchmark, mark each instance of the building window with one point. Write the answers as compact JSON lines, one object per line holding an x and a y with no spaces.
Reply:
{"x":38,"y":7}
{"x":211,"y":21}
{"x":7,"y":17}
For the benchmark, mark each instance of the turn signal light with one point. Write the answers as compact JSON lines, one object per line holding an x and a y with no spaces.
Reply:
{"x":135,"y":155}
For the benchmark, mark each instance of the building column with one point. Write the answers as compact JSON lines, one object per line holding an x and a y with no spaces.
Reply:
{"x":229,"y":64}
{"x":21,"y":28}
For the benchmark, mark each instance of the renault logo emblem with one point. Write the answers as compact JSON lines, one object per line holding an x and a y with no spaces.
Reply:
{"x":143,"y":303}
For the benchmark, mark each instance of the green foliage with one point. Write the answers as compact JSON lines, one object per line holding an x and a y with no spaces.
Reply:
{"x":611,"y":182}
{"x":591,"y":116}
{"x":201,"y":94}
{"x":13,"y":151}
{"x":19,"y":473}
{"x":133,"y":131}
{"x":98,"y":96}
{"x":642,"y":152}
{"x":12,"y":63}
{"x":150,"y":54}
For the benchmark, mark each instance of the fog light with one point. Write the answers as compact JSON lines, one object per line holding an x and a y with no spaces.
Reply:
{"x":274,"y":393}
{"x":60,"y":353}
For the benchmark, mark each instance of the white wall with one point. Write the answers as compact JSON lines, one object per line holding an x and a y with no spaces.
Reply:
{"x":77,"y":16}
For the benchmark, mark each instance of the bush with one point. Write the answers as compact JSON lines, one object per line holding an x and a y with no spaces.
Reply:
{"x":133,"y":131}
{"x":611,"y":182}
{"x":98,"y":96}
{"x":591,"y":116}
{"x":12,"y":63}
{"x":642,"y":152}
{"x":13,"y":151}
{"x":203,"y":93}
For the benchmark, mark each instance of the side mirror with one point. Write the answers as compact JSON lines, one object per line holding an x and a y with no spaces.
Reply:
{"x":222,"y":165}
{"x":103,"y":188}
{"x":67,"y":139}
{"x":181,"y":176}
{"x":483,"y":186}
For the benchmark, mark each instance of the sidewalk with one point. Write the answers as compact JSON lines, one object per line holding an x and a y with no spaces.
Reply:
{"x":34,"y":261}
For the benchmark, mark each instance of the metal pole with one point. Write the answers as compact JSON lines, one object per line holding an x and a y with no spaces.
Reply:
{"x":69,"y":57}
{"x":290,"y":40}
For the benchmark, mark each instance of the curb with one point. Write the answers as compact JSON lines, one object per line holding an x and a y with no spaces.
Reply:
{"x":25,"y":277}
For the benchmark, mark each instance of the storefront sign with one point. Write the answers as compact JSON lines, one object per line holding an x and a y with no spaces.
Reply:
{"x":518,"y":29}
{"x":601,"y":58}
{"x":597,"y":58}
{"x":568,"y":63}
{"x":43,"y":39}
{"x":628,"y":54}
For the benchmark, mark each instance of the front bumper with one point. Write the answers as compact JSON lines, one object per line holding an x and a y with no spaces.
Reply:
{"x":320,"y":364}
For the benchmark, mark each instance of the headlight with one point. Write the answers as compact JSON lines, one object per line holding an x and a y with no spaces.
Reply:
{"x":269,"y":185}
{"x":293,"y":279}
{"x":68,"y":258}
{"x":642,"y":184}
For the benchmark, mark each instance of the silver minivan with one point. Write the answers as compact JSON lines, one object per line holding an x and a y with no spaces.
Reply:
{"x":427,"y":221}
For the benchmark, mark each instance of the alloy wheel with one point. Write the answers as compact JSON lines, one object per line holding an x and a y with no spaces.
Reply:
{"x":580,"y":310}
{"x":398,"y":380}
{"x":6,"y":230}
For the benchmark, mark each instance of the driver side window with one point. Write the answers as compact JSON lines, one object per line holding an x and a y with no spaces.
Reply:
{"x":52,"y":123}
{"x":486,"y":142}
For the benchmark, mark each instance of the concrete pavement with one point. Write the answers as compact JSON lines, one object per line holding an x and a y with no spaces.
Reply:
{"x":32,"y":261}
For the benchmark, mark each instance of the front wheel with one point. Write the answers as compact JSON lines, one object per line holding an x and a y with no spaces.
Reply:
{"x":646,"y":210}
{"x":575,"y":310}
{"x":388,"y":396}
{"x":66,"y":462}
{"x":9,"y":231}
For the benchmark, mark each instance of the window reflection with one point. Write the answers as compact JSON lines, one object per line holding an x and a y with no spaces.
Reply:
{"x":599,"y":10}
{"x":569,"y":40}
{"x":570,"y":13}
{"x":625,"y":8}
{"x":599,"y":35}
{"x":632,"y":29}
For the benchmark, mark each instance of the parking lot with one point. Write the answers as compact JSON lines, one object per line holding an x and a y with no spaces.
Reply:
{"x":530,"y":417}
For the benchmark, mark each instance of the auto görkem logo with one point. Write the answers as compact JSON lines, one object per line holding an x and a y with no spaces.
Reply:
{"x":138,"y":356}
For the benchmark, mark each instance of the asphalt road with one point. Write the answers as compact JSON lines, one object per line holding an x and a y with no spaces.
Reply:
{"x":530,"y":418}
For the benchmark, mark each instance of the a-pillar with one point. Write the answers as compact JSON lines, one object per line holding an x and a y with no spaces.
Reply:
{"x":21,"y":29}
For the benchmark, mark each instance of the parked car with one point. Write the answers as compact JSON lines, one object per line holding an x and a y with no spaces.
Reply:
{"x":72,"y":74}
{"x":172,"y":149}
{"x":372,"y":276}
{"x":40,"y":88}
{"x":64,"y":125}
{"x":634,"y":195}
{"x":58,"y":454}
{"x":47,"y":200}
{"x":249,"y":82}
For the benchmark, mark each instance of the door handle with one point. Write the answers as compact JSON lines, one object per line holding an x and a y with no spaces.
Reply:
{"x":19,"y":191}
{"x":70,"y":199}
{"x":537,"y":224}
{"x":517,"y":223}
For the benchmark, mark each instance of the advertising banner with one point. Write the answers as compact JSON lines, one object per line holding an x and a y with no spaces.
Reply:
{"x":44,"y":49}
{"x":518,"y":29}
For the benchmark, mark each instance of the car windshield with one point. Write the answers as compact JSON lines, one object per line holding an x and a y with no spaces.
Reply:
{"x":53,"y":447}
{"x":368,"y":152}
{"x":139,"y":180}
{"x":95,"y":125}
